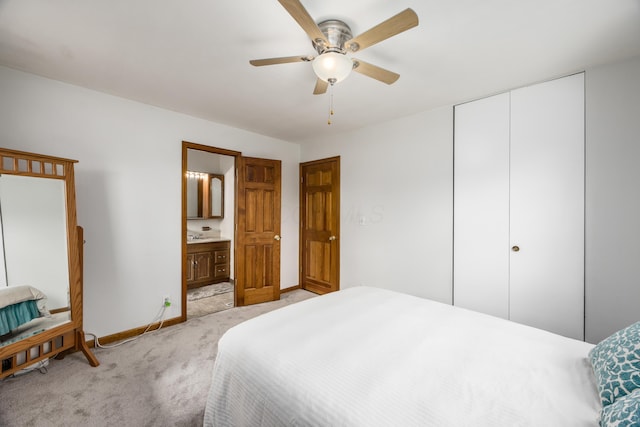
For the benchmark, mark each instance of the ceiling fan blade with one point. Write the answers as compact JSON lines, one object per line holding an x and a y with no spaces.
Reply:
{"x":302,"y":17}
{"x":283,"y":60}
{"x":375,"y":72}
{"x":403,"y":21}
{"x":321,"y":87}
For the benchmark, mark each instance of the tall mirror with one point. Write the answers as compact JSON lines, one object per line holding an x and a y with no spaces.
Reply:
{"x":41,"y":246}
{"x":33,"y":222}
{"x":216,"y":194}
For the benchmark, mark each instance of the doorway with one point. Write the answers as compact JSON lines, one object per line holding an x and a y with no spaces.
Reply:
{"x":208,"y":229}
{"x":320,"y":225}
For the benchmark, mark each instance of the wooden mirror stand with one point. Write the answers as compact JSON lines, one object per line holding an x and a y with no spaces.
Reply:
{"x":67,"y":336}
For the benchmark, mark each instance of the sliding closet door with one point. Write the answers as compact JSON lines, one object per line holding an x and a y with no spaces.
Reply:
{"x":547,"y":206}
{"x":481,"y":206}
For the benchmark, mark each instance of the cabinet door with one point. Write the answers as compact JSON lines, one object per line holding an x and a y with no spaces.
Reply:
{"x":221,"y":266}
{"x":203,"y":266}
{"x":547,"y":206}
{"x":221,"y":271}
{"x":481,"y":206}
{"x":221,"y":256}
{"x":190,"y":267}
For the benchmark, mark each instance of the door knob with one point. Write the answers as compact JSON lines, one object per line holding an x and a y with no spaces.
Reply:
{"x":515,"y":248}
{"x":276,"y":237}
{"x":332,"y":238}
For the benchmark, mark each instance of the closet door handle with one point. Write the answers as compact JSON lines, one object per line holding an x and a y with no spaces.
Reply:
{"x":515,"y":248}
{"x":332,"y":238}
{"x":276,"y":237}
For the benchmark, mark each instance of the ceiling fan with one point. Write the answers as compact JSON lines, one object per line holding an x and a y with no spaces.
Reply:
{"x":332,"y":39}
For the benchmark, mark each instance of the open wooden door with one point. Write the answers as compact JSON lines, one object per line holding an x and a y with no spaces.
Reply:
{"x":320,"y":225}
{"x":258,"y":231}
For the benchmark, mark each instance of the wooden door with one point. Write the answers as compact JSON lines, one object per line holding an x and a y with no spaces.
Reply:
{"x":258,"y":231}
{"x":320,"y":225}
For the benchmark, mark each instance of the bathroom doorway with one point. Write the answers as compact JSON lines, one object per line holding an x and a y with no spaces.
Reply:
{"x":208,"y":229}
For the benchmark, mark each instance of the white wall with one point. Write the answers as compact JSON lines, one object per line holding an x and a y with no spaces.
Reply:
{"x":398,"y":177}
{"x":128,"y":186}
{"x":612,"y":198}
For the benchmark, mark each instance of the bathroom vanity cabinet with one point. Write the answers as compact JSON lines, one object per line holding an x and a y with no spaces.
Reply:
{"x":207,"y":262}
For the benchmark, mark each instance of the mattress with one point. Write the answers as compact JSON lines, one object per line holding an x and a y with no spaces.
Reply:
{"x":373,"y":357}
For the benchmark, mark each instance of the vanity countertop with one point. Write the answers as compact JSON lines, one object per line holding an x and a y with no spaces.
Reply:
{"x":208,"y":240}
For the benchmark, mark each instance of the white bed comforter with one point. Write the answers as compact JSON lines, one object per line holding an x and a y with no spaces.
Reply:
{"x":372,"y":357}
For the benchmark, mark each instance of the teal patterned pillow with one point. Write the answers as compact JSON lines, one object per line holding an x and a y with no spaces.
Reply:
{"x":625,"y":412}
{"x":616,"y":364}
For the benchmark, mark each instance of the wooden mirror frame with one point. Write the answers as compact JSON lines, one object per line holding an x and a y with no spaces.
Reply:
{"x":68,"y":336}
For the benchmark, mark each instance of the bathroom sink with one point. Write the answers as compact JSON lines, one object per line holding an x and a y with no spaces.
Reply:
{"x":206,"y":240}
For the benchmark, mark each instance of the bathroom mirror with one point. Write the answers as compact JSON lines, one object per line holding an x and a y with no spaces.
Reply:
{"x":205,"y":195}
{"x":216,"y":190}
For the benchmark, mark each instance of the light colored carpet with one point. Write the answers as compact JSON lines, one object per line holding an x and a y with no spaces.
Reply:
{"x":161,"y":379}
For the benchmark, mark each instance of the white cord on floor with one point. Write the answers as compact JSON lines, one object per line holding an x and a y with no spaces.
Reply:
{"x":159,"y":316}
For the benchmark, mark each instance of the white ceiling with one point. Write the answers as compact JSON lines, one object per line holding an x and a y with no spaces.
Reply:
{"x":192,"y":56}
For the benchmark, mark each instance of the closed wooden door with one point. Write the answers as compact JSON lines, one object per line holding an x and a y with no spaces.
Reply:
{"x":320,"y":225}
{"x":258,"y":231}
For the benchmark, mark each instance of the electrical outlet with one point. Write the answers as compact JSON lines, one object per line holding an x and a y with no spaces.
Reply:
{"x":166,"y":301}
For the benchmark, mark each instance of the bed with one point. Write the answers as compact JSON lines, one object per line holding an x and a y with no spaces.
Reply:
{"x":372,"y":357}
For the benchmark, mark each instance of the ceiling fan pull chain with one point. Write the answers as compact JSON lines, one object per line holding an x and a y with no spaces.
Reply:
{"x":331,"y":81}
{"x":330,"y":105}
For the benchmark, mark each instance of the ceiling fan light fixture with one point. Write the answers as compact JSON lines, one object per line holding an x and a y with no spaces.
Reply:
{"x":332,"y":66}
